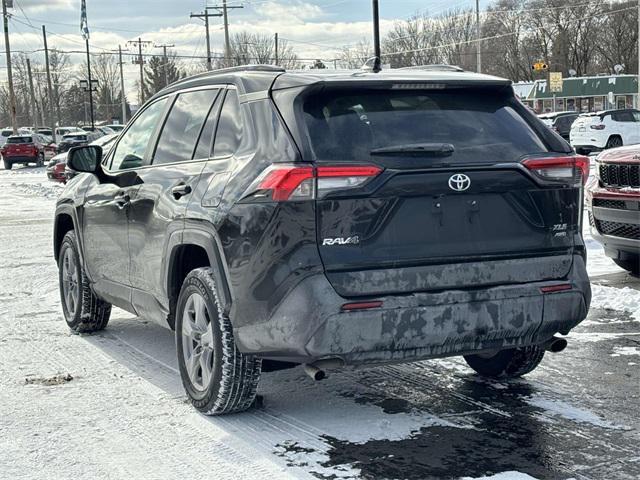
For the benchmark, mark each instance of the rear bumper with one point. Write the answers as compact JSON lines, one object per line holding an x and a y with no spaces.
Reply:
{"x":309,"y":324}
{"x":19,"y":159}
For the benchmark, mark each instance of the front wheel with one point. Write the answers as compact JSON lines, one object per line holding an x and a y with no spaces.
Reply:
{"x":630,"y":264}
{"x":217,"y":377}
{"x":510,"y":363}
{"x":83,"y":311}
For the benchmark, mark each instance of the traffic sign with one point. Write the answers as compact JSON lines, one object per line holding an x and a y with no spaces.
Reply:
{"x":555,"y":82}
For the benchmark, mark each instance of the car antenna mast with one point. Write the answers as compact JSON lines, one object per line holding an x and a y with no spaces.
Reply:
{"x":376,"y":38}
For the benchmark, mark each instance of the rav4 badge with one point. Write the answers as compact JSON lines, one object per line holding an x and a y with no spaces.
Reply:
{"x":355,"y":240}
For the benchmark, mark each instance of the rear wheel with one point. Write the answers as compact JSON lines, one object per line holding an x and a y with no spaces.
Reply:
{"x":614,"y":141}
{"x":630,"y":264}
{"x":510,"y":363}
{"x":217,"y":377}
{"x":83,"y":311}
{"x":7,"y":165}
{"x":40,"y":160}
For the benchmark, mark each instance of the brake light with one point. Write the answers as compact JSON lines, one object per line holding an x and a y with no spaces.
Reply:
{"x":597,"y":126}
{"x":289,"y":182}
{"x":559,"y":168}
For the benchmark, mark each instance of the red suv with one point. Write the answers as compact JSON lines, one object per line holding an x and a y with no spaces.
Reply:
{"x":23,"y":149}
{"x":613,"y":198}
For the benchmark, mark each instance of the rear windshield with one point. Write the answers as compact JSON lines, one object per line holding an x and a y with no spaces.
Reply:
{"x":481,"y":127}
{"x":6,"y":133}
{"x":19,"y":140}
{"x":81,"y":138}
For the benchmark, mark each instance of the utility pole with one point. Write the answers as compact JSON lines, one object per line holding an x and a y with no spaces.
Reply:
{"x":638,"y":98}
{"x":206,"y":16}
{"x":49,"y":88}
{"x":478,"y":46}
{"x":165,"y":68}
{"x":12,"y":94}
{"x":225,"y":8}
{"x":377,"y":61}
{"x":123,"y":99}
{"x":35,"y":108}
{"x":140,"y":61}
{"x":276,"y":48}
{"x":90,"y":83}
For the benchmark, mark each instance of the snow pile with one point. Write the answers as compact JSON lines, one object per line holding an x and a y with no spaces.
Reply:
{"x":46,"y":190}
{"x":617,"y":351}
{"x":504,"y":476}
{"x":565,"y":410}
{"x":621,"y":299}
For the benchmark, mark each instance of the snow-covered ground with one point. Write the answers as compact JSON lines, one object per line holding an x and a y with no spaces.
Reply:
{"x":111,"y":405}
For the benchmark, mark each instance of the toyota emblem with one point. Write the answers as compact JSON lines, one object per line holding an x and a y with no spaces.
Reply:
{"x":459,"y":182}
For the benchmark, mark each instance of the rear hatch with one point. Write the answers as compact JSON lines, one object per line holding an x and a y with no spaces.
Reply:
{"x":20,"y":146}
{"x":449,"y":188}
{"x":581,"y":132}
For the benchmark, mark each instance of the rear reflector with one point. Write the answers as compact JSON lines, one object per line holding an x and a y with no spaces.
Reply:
{"x":291,"y":182}
{"x":560,"y":168}
{"x":556,"y":288}
{"x":361,"y":305}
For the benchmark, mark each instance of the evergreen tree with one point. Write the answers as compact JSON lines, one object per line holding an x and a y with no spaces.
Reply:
{"x":157,"y":75}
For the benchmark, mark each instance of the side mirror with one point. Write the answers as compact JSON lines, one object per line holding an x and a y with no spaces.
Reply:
{"x":85,"y":159}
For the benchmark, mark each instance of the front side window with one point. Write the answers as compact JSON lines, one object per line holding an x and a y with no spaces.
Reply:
{"x":183,"y":127}
{"x":229,"y":131}
{"x":129,"y":152}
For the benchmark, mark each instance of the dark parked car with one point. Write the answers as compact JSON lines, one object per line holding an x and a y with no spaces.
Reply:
{"x":76,"y":139}
{"x":23,"y":149}
{"x":613,"y":198}
{"x":560,"y":122}
{"x":329,"y":219}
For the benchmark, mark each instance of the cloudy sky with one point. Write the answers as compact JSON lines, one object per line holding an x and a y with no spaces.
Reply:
{"x":315,"y":28}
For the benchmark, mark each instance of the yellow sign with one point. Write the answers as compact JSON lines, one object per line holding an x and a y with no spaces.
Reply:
{"x":539,"y":66}
{"x":555,"y":82}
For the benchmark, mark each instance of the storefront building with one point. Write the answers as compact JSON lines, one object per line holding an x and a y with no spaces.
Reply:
{"x":585,"y":94}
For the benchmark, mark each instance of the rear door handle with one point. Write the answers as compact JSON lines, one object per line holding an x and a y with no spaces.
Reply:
{"x":122,"y":200}
{"x":180,"y":190}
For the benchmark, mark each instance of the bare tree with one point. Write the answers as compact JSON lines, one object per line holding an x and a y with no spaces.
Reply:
{"x":254,"y":48}
{"x":355,"y":56}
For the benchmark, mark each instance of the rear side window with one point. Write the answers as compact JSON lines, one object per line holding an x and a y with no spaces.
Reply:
{"x":229,"y":131}
{"x":622,"y":117}
{"x":19,"y":140}
{"x":183,"y":126}
{"x":481,"y":126}
{"x":205,"y":142}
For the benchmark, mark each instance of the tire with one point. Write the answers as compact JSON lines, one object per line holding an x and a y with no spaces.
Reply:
{"x":7,"y":165}
{"x":511,"y":363}
{"x":614,"y":141}
{"x":40,"y":160}
{"x":221,"y":379}
{"x":631,"y":264}
{"x":83,"y":311}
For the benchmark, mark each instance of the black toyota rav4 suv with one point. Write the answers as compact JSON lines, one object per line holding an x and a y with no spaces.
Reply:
{"x":329,"y":219}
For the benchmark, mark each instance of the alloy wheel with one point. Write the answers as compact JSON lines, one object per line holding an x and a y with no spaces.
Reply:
{"x":70,"y":284}
{"x":197,"y":341}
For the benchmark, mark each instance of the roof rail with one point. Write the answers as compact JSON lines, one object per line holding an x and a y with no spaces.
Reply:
{"x":240,"y":68}
{"x":435,"y":67}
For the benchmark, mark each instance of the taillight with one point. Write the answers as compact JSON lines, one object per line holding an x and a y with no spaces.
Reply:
{"x":560,"y":168}
{"x":290,"y":182}
{"x":597,"y":126}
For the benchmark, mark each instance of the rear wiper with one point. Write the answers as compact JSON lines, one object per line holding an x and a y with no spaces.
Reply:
{"x":418,"y":149}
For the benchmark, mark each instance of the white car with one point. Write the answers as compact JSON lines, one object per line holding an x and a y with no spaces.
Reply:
{"x":612,"y":128}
